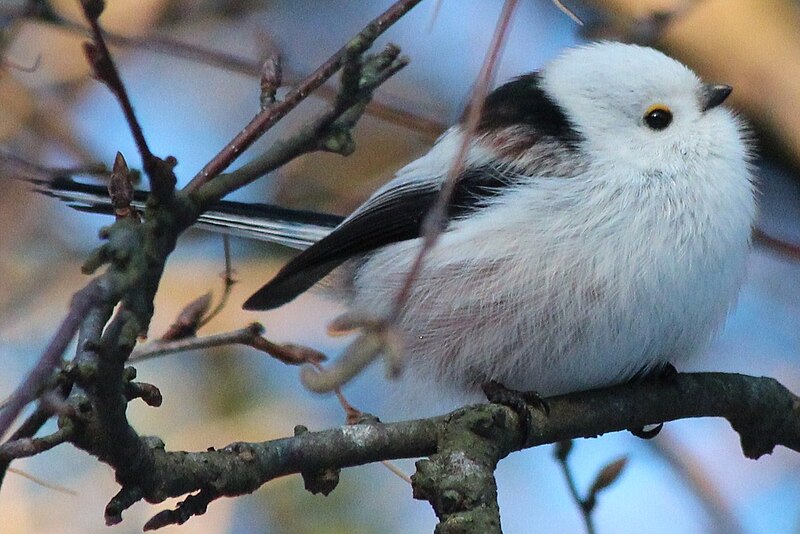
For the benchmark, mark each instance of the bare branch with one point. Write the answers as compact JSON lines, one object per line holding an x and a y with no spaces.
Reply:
{"x":568,"y":12}
{"x":433,"y":224}
{"x":25,"y":447}
{"x":41,"y":374}
{"x":22,"y":168}
{"x":783,"y":248}
{"x":162,"y":179}
{"x":249,"y":336}
{"x":562,"y":452}
{"x":43,"y":483}
{"x":169,"y":46}
{"x":763,"y":412}
{"x":228,"y":282}
{"x":267,"y":118}
{"x":329,"y":131}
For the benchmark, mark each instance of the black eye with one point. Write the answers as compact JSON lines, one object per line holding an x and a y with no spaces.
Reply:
{"x":658,"y":117}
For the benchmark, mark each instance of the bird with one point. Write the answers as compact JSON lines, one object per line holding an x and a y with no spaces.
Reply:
{"x":598,"y":231}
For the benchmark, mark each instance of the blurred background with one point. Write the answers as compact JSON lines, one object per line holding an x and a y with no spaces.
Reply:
{"x":693,"y":478}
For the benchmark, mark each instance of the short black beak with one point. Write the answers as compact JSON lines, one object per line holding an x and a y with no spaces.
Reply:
{"x":713,"y":95}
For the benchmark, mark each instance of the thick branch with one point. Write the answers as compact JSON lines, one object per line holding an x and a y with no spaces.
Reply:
{"x":763,"y":412}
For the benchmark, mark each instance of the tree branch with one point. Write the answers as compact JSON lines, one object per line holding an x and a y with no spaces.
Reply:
{"x":32,"y":386}
{"x":166,"y":45}
{"x":761,"y":410}
{"x":267,"y":118}
{"x":162,"y":179}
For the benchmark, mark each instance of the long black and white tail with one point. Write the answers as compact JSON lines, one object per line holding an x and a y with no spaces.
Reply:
{"x":293,"y":228}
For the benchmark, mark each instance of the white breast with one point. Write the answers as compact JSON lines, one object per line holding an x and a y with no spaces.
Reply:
{"x":572,"y":284}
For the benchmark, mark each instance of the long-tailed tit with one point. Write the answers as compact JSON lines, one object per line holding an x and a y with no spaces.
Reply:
{"x":599,"y":230}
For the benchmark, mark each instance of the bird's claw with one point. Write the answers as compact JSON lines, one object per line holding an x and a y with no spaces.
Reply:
{"x":518,"y":401}
{"x":646,"y":434}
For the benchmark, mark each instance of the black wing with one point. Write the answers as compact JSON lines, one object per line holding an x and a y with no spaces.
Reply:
{"x":392,"y":216}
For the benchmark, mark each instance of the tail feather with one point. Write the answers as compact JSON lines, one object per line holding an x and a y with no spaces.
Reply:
{"x":293,"y":228}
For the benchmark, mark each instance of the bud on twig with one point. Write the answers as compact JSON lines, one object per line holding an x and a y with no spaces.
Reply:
{"x":120,"y":188}
{"x":271,"y":79}
{"x":189,"y":319}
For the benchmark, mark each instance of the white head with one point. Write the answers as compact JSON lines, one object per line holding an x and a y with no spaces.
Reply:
{"x":638,"y":109}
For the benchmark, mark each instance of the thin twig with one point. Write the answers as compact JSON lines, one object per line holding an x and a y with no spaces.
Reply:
{"x":562,"y":451}
{"x":36,"y":480}
{"x":156,"y":349}
{"x":267,"y":118}
{"x":162,"y":179}
{"x":568,"y":12}
{"x":104,"y":69}
{"x":227,"y":280}
{"x":19,"y":165}
{"x":435,"y":14}
{"x":783,"y":248}
{"x":25,"y":447}
{"x":32,"y":424}
{"x":435,"y":217}
{"x":397,"y":471}
{"x":249,"y":336}
{"x":687,"y":467}
{"x":352,"y":414}
{"x":166,"y":45}
{"x":329,"y":131}
{"x":31,"y":387}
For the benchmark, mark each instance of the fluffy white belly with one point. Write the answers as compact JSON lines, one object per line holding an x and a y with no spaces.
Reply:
{"x":556,"y":305}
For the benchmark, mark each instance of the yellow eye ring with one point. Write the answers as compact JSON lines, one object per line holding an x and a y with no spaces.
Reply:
{"x":658,"y":117}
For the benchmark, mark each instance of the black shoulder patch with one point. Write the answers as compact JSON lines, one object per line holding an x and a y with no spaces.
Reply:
{"x":522,"y":101}
{"x":477,"y":186}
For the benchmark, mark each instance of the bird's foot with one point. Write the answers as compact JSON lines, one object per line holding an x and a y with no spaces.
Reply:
{"x":518,"y":401}
{"x":663,"y":374}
